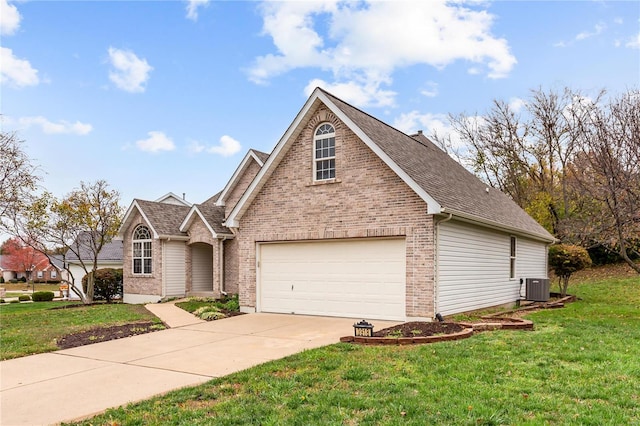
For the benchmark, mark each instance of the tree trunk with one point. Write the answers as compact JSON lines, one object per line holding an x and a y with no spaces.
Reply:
{"x":90,"y":285}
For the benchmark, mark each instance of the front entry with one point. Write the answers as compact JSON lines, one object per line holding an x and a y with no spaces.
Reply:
{"x":201,"y":267}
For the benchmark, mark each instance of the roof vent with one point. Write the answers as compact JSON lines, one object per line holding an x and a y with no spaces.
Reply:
{"x":487,"y":190}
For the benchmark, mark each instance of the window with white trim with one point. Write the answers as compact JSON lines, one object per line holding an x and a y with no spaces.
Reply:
{"x":142,"y":250}
{"x":40,"y":274}
{"x":324,"y":153}
{"x":54,"y":273}
{"x":512,"y":258}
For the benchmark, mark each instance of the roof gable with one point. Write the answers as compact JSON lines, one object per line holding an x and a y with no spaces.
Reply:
{"x":444,"y":184}
{"x":164,"y":219}
{"x":252,"y":155}
{"x":212,"y":216}
{"x":171,"y":198}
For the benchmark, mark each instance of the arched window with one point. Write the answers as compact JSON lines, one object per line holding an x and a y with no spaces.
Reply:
{"x":142,"y":253}
{"x":324,"y":153}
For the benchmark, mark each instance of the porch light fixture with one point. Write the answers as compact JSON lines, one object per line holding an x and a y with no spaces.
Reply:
{"x":363,"y":329}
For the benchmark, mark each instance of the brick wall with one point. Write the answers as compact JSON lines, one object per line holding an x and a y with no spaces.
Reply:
{"x":137,"y":284}
{"x":231,"y":266}
{"x":367,"y":199}
{"x":232,"y":197}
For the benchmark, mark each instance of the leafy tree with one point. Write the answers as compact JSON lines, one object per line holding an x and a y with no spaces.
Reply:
{"x":21,"y":257}
{"x":564,"y":260}
{"x":18,"y":177}
{"x":81,"y":223}
{"x":107,"y":283}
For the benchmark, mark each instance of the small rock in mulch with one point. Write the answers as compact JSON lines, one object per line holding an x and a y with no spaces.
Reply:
{"x":419,"y":329}
{"x":102,"y":334}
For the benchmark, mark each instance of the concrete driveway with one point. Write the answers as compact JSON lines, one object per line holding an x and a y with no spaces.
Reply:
{"x":79,"y":382}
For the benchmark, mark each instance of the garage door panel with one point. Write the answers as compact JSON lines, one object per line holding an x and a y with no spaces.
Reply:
{"x":354,"y":278}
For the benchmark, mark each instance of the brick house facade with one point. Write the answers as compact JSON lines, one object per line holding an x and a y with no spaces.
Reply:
{"x":386,"y":191}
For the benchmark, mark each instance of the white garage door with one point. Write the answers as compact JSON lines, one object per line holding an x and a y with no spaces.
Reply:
{"x":353,"y":278}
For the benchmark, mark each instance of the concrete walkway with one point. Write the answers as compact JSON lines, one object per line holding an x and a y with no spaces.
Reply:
{"x":79,"y":382}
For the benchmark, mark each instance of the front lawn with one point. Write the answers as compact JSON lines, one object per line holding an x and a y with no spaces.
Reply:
{"x":30,"y":328}
{"x":581,"y":365}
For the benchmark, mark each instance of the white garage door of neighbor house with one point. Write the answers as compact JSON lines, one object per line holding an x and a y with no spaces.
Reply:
{"x":352,"y":278}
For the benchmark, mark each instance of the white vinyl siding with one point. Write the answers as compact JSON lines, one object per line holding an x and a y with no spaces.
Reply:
{"x":202,"y":267}
{"x":363,"y":279}
{"x":174,"y":270}
{"x":473,"y":268}
{"x":532,"y":259}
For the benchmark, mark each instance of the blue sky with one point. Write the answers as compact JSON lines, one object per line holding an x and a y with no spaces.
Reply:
{"x":168,"y":96}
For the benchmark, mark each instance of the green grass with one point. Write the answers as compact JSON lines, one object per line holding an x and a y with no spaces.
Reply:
{"x":31,"y":328}
{"x":29,"y":287}
{"x":580,"y":366}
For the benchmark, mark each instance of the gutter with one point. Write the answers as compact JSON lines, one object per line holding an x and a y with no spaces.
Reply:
{"x":465,"y":217}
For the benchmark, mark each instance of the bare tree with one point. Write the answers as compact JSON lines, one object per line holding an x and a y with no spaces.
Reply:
{"x":524,"y":154}
{"x":81,"y":223}
{"x":18,"y":176}
{"x":606,"y":172}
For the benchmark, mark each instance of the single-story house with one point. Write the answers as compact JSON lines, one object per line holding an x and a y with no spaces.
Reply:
{"x":347,"y":216}
{"x":110,"y":256}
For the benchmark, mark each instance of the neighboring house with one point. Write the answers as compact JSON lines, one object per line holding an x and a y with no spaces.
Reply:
{"x":47,"y":271}
{"x":346,"y":217}
{"x":9,"y":273}
{"x":109,"y":257}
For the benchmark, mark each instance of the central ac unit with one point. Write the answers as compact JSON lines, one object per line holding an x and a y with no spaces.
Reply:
{"x":538,"y":289}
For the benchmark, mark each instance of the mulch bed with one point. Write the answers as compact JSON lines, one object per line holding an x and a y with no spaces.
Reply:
{"x":419,"y":329}
{"x":102,"y":334}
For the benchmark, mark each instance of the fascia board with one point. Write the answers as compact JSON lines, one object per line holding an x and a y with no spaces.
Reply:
{"x":144,"y":216}
{"x":172,"y":195}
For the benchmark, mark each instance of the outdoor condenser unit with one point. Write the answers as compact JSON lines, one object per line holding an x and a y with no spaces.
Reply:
{"x":538,"y":289}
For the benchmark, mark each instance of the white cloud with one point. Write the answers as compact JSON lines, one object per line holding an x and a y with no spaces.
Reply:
{"x":193,"y":6}
{"x":61,"y":127}
{"x":430,"y":89}
{"x":157,"y":141}
{"x":634,"y":42}
{"x":129,"y":72}
{"x":228,"y":146}
{"x":429,"y":123}
{"x":16,"y":72}
{"x":9,"y":18}
{"x":597,"y":30}
{"x":516,"y":104}
{"x":583,"y":35}
{"x":358,"y":93}
{"x":368,"y":41}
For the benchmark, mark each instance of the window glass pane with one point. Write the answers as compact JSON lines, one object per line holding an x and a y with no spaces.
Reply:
{"x":54,"y":274}
{"x":137,"y":266}
{"x":147,"y":266}
{"x":147,"y":249}
{"x":137,"y":249}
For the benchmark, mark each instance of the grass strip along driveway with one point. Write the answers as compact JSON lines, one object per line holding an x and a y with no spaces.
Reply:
{"x":581,"y":365}
{"x":30,"y":328}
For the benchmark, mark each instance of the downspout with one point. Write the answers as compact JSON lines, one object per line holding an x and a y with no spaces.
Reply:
{"x":437,"y":263}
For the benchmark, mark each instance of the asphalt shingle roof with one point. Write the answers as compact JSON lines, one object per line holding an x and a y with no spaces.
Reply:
{"x":165,"y":218}
{"x":214,"y":215}
{"x":440,"y":176}
{"x":110,"y":251}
